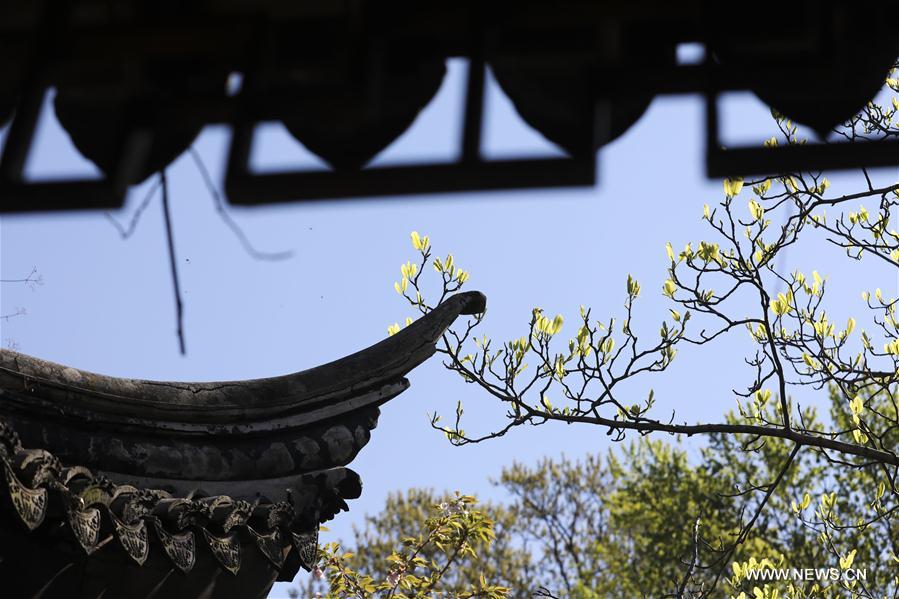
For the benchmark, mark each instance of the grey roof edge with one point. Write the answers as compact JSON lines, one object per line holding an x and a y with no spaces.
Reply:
{"x":232,"y":402}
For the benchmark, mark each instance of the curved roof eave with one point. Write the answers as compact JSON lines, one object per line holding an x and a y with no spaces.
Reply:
{"x":319,"y":390}
{"x":256,"y":430}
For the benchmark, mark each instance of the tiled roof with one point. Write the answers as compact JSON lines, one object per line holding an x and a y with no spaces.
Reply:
{"x":115,"y":484}
{"x":42,"y":493}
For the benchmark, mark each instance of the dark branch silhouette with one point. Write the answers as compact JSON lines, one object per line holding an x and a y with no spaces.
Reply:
{"x":170,"y":239}
{"x":226,"y":216}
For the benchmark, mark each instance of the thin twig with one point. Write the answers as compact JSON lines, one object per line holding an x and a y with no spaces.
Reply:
{"x":179,"y":309}
{"x":18,"y":312}
{"x":226,"y":216}
{"x":33,"y":280}
{"x":135,"y":218}
{"x":744,"y":533}
{"x":694,"y":561}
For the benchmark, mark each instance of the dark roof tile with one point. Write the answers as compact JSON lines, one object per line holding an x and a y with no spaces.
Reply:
{"x":94,"y":511}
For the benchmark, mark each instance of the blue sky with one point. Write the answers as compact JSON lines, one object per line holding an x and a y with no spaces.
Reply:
{"x":106,"y":304}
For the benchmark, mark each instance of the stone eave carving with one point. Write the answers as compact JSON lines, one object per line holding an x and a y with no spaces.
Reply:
{"x":74,"y":506}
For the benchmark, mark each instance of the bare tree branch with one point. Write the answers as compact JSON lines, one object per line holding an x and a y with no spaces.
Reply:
{"x":170,"y":239}
{"x":226,"y":216}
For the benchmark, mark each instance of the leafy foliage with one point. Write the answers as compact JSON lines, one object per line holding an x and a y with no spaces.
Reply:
{"x":648,"y":521}
{"x":731,"y":284}
{"x":422,"y":562}
{"x":774,"y":487}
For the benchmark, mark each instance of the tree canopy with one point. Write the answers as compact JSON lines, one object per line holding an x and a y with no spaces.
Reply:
{"x":647,"y":520}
